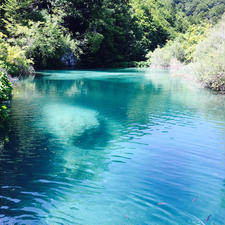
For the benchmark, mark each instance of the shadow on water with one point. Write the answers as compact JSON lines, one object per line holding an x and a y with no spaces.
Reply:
{"x":96,"y":137}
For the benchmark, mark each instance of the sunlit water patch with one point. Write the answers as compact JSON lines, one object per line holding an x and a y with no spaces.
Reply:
{"x":113,"y":147}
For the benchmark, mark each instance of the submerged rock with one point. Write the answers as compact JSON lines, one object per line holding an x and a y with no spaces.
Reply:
{"x":68,"y":122}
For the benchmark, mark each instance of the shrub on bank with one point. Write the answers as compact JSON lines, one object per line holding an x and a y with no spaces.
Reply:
{"x":5,"y":95}
{"x":13,"y":58}
{"x":46,"y":42}
{"x":202,"y":49}
{"x":14,"y":62}
{"x":161,"y":57}
{"x":209,"y":58}
{"x":182,"y":48}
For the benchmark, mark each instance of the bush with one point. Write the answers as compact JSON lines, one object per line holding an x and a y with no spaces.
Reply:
{"x":209,"y":58}
{"x":201,"y":51}
{"x":50,"y":43}
{"x":182,"y":48}
{"x":47,"y":43}
{"x":13,"y":59}
{"x":161,"y":57}
{"x":5,"y":95}
{"x":94,"y":41}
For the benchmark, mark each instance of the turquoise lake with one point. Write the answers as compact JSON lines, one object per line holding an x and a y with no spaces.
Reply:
{"x":113,"y":147}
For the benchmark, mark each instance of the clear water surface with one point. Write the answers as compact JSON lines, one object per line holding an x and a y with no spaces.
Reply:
{"x":113,"y":147}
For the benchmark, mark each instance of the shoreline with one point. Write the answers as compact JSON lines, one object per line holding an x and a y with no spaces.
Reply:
{"x":177,"y":69}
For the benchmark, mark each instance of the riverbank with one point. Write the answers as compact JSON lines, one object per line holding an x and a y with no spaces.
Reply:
{"x":187,"y":72}
{"x":197,"y":55}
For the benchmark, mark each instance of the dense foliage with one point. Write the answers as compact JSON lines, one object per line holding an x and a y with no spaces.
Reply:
{"x":92,"y":33}
{"x":98,"y":33}
{"x":200,"y":52}
{"x":209,"y":58}
{"x":13,"y":58}
{"x":5,"y":94}
{"x":13,"y":61}
{"x":182,"y":48}
{"x":198,"y":10}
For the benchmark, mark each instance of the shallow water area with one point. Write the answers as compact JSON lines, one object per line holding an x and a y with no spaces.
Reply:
{"x":113,"y":147}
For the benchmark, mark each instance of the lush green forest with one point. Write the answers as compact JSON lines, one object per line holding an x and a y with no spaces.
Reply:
{"x":92,"y":33}
{"x":197,"y":10}
{"x":37,"y":34}
{"x":102,"y":33}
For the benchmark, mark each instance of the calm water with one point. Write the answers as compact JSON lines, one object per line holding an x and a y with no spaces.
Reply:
{"x":122,"y":147}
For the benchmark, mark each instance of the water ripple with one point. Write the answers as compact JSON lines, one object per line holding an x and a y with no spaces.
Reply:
{"x":113,"y":147}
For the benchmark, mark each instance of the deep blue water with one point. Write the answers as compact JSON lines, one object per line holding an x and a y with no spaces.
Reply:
{"x":113,"y":147}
